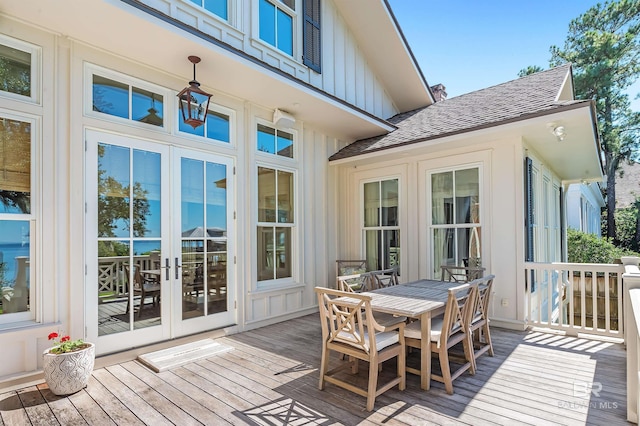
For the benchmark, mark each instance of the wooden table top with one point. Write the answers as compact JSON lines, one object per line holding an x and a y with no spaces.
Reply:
{"x":411,"y":299}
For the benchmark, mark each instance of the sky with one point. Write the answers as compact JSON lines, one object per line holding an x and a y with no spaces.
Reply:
{"x":468,"y":45}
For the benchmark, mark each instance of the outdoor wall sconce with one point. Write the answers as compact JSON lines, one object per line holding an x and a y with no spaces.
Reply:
{"x":193,"y":101}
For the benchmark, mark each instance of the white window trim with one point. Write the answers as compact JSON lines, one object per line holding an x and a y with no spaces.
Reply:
{"x":364,"y":229}
{"x":232,"y":6}
{"x":167,"y":106}
{"x":34,"y":314}
{"x":36,"y":69}
{"x":482,"y":224}
{"x":275,"y":158}
{"x":212,"y":108}
{"x":296,"y":35}
{"x":293,"y":280}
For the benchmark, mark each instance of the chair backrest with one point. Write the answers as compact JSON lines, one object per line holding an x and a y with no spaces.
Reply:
{"x":350,"y":267}
{"x":461,"y":301}
{"x":137,"y":277}
{"x":384,"y":278}
{"x":347,"y":322}
{"x":356,"y":283}
{"x":461,"y":274}
{"x":481,"y":308}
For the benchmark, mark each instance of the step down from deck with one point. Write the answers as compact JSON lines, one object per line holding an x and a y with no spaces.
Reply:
{"x":176,"y":356}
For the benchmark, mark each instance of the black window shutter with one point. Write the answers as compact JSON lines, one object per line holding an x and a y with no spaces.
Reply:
{"x":312,"y":52}
{"x":528,"y":220}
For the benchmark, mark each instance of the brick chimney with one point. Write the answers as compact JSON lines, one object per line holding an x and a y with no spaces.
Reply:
{"x":439,"y":92}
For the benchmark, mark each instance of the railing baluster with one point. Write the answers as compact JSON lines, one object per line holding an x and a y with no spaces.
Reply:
{"x":594,"y":300}
{"x":607,"y":308}
{"x":572,"y":286}
{"x":583,"y":301}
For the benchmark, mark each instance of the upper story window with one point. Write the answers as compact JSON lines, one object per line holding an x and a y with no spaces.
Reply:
{"x":217,"y":7}
{"x":276,"y":24}
{"x":118,"y":98}
{"x":18,"y":68}
{"x":217,"y":127}
{"x":274,"y":141}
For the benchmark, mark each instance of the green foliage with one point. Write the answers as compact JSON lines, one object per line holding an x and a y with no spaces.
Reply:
{"x":589,"y":248}
{"x":531,"y":69}
{"x":603,"y":46}
{"x":627,"y":227}
{"x":113,"y":205}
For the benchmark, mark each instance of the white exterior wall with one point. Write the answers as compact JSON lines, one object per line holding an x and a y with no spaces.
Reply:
{"x":500,"y":159}
{"x":58,"y":270}
{"x":584,"y":208}
{"x":345,"y":71}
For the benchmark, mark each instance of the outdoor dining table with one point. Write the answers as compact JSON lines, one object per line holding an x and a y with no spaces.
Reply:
{"x":422,"y":299}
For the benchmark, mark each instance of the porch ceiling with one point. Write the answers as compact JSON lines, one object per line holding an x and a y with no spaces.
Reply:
{"x":114,"y":26}
{"x":577,"y":157}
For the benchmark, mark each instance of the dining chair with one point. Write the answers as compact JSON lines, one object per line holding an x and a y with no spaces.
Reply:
{"x":461,"y":274}
{"x":349,"y":328}
{"x":350,"y":267}
{"x":479,"y":327}
{"x":384,"y":278}
{"x":354,"y":283}
{"x":142,"y":286}
{"x":362,"y":282}
{"x":446,"y":332}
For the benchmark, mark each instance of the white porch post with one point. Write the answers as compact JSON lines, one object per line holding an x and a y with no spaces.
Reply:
{"x":631,"y":285}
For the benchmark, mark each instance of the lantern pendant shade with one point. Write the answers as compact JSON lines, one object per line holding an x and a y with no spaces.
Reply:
{"x":193,"y":101}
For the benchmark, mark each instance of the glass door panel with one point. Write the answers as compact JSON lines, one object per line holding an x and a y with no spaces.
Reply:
{"x":126,"y":228}
{"x":203,"y":215}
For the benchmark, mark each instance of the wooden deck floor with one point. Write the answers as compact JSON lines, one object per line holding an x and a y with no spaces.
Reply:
{"x":271,"y":378}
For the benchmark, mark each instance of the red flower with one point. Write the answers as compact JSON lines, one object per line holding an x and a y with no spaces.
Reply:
{"x":53,"y":336}
{"x":65,"y":339}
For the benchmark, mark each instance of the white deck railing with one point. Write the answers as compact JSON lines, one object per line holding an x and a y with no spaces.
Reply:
{"x":575,"y":297}
{"x":631,"y":280}
{"x":111,"y":278}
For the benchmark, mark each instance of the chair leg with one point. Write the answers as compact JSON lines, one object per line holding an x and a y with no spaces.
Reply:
{"x":324,"y":366}
{"x":402,"y":368}
{"x":469,"y":352}
{"x":446,"y":370}
{"x":487,"y":338}
{"x":373,"y":385}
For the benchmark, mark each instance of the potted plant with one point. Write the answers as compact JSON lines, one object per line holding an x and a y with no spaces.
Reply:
{"x":68,"y":364}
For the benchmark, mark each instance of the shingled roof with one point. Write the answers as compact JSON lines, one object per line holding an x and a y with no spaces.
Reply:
{"x":516,"y":100}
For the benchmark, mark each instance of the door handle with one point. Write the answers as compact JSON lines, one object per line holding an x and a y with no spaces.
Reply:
{"x":177,"y":267}
{"x":166,"y":267}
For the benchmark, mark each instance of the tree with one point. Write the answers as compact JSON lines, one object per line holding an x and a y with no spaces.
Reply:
{"x":531,"y":69}
{"x":603,"y":46}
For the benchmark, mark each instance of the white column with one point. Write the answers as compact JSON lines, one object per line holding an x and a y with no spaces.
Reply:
{"x":631,"y":286}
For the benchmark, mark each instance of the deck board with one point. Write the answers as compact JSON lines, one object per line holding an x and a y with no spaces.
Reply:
{"x":271,"y":377}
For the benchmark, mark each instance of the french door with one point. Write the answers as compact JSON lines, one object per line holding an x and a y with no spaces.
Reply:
{"x":159,"y":230}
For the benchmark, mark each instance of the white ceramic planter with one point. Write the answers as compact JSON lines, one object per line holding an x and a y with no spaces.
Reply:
{"x":68,"y":373}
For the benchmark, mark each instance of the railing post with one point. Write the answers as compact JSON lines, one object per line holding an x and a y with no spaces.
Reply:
{"x":630,"y":283}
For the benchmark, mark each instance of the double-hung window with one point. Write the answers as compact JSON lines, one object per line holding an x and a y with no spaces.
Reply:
{"x":217,"y":7}
{"x":18,"y":80}
{"x":276,"y":218}
{"x":455,"y":218}
{"x":381,"y":225}
{"x":276,"y":24}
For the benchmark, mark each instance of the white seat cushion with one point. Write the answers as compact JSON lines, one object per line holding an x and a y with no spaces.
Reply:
{"x":383,"y":340}
{"x":413,"y":329}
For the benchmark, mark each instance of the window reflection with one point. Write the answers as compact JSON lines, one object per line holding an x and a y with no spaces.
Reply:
{"x":15,"y":71}
{"x":14,"y":266}
{"x":15,"y":166}
{"x":274,"y":141}
{"x":110,"y":97}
